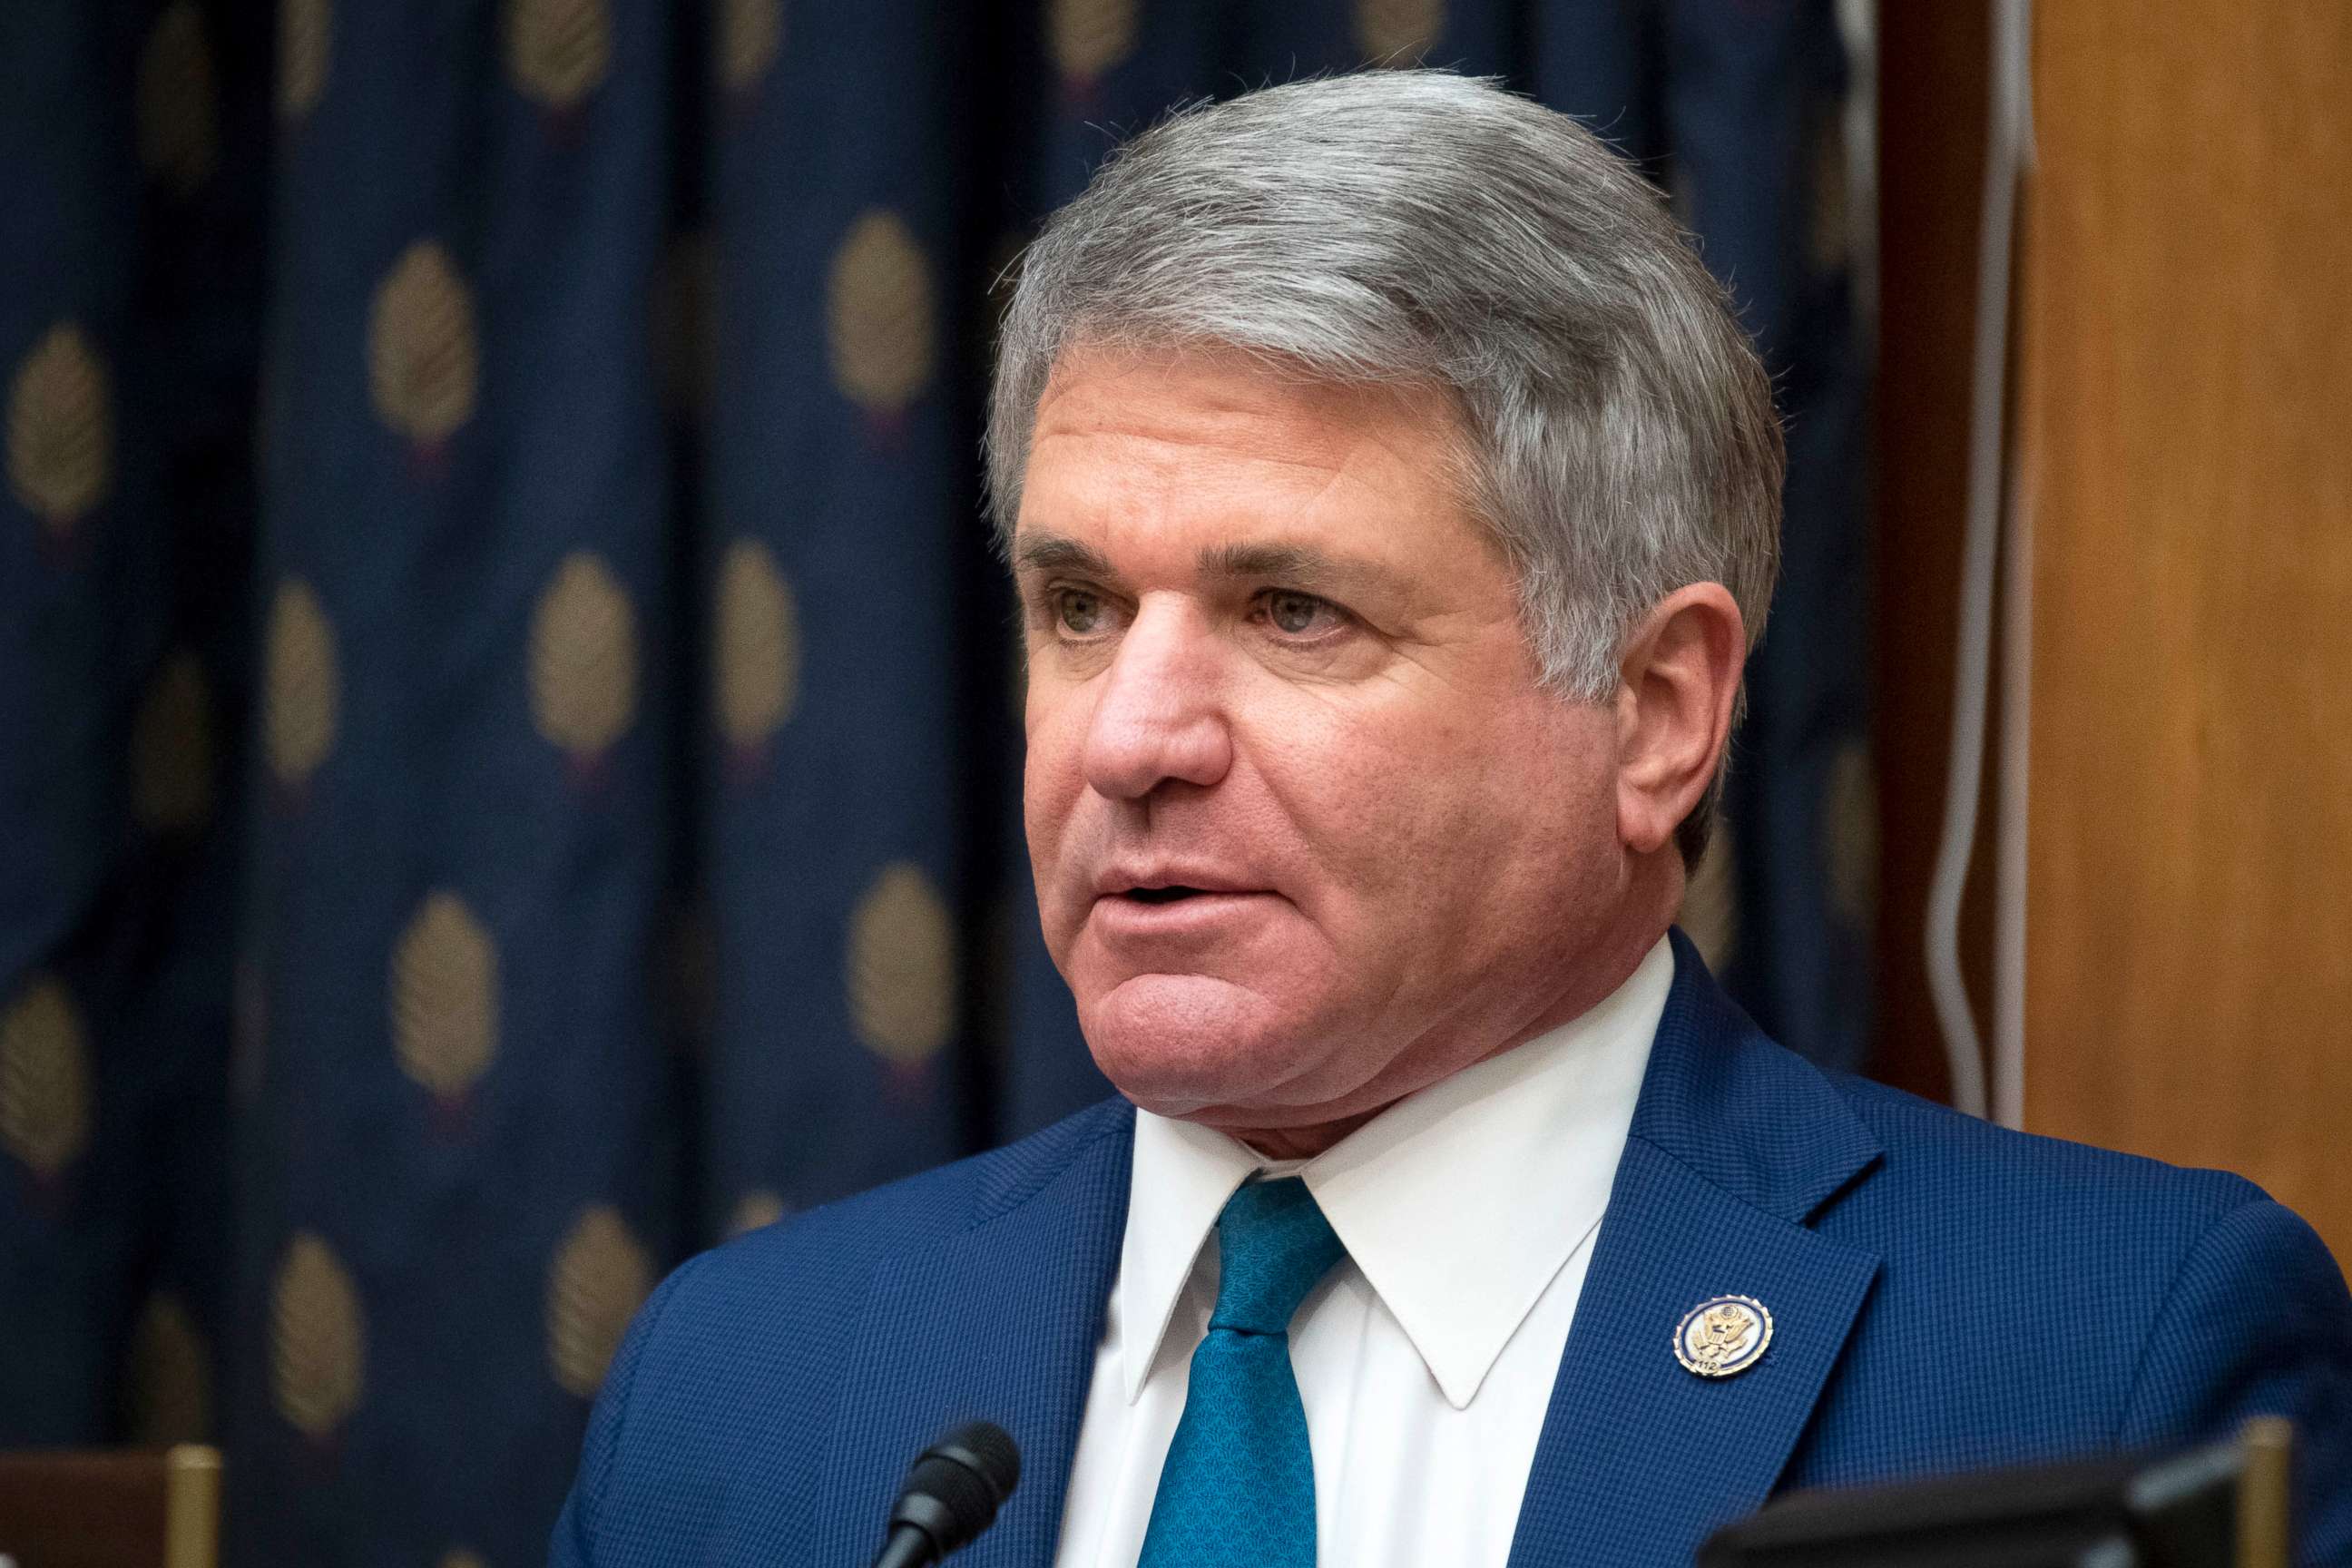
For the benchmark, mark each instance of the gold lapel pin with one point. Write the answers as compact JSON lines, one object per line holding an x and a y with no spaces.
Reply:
{"x":1723,"y":1335}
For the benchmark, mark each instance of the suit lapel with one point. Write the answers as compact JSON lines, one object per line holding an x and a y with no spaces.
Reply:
{"x":1001,"y":1323}
{"x":1734,"y":1145}
{"x":1639,"y":1458}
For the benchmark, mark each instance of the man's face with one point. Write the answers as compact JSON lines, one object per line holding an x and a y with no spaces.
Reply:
{"x":1306,"y":833}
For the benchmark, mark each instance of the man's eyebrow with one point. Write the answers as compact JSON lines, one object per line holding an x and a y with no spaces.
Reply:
{"x":1298,"y":564}
{"x":1302,"y":564}
{"x":1055,"y":552}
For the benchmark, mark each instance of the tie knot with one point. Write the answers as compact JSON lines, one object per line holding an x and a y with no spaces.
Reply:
{"x":1272,"y":1245}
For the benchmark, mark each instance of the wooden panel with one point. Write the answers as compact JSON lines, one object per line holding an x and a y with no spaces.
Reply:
{"x":110,"y":1508}
{"x":2188,"y":404}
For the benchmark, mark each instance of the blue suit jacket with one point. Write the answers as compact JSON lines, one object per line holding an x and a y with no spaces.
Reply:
{"x":1945,"y":1296}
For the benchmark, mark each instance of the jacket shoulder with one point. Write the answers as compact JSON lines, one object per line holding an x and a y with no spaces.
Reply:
{"x":2038,"y":1264}
{"x":2073,"y":1300}
{"x":1965,"y":1157}
{"x":734,"y":1365}
{"x":843,"y":1241}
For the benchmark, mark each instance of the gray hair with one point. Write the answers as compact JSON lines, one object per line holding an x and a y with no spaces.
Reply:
{"x":1423,"y":228}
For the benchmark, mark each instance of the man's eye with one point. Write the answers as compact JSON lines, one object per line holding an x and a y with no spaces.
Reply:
{"x":1079,"y":612}
{"x":1298,"y":615}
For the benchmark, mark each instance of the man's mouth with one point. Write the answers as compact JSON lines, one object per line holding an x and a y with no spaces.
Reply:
{"x":1186,"y":903}
{"x":1168,"y":882}
{"x":1168,"y":895}
{"x":1172,"y":899}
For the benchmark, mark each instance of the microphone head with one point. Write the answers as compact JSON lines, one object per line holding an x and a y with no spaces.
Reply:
{"x":959,"y":1483}
{"x":985,"y":1448}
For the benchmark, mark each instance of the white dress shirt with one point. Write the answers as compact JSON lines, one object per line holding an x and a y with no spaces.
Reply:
{"x":1425,"y":1359}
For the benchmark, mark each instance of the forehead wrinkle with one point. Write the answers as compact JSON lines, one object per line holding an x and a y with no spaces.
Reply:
{"x":1256,"y":423}
{"x":1314,"y":468}
{"x":1241,"y":437}
{"x":1245,"y":490}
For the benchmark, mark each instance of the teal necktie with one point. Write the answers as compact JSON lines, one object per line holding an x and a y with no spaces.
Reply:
{"x":1238,"y":1489}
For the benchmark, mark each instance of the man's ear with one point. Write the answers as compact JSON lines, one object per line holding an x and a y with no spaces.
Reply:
{"x":1680,"y":680}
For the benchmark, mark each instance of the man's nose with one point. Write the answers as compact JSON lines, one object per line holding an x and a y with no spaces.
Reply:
{"x":1159,"y":716}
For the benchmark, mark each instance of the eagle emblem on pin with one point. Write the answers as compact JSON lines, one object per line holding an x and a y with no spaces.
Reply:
{"x":1723,"y":1335}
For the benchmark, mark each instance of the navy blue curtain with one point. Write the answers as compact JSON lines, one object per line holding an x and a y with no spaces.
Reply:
{"x":508,"y":751}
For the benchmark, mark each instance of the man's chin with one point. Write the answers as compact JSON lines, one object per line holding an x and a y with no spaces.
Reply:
{"x":1176,"y":1042}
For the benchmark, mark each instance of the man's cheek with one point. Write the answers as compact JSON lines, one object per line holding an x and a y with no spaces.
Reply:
{"x":1053,"y":796}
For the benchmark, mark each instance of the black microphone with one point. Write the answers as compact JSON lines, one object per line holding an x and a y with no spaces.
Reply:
{"x":951,"y":1495}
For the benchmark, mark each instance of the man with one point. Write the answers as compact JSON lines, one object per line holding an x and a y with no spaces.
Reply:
{"x":1393,"y":501}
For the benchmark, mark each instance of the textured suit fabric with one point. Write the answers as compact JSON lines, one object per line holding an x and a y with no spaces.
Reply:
{"x":1238,"y":1489}
{"x":1947,"y":1295}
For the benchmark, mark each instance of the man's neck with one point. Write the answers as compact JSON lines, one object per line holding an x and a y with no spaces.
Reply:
{"x":1314,"y":1134}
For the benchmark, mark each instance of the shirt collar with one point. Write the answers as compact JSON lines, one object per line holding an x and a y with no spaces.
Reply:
{"x":1458,"y":1204}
